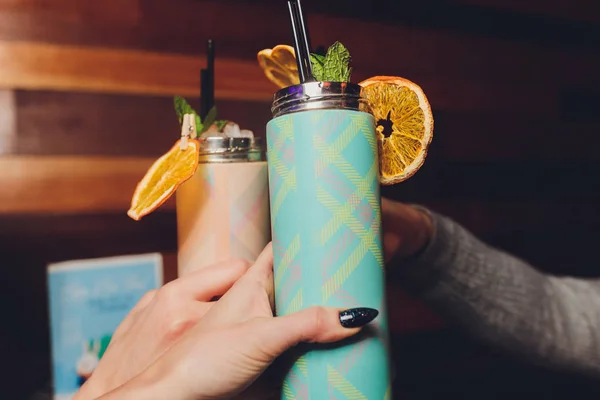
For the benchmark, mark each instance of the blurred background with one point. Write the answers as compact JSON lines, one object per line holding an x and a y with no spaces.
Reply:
{"x":86,"y":105}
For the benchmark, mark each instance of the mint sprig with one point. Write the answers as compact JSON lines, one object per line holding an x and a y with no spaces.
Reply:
{"x":209,"y":119}
{"x":318,"y":70}
{"x":334,"y":67}
{"x":221,"y":124}
{"x":182,"y":107}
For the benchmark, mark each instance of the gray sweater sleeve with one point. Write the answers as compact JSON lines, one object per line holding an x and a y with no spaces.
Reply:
{"x":502,"y":300}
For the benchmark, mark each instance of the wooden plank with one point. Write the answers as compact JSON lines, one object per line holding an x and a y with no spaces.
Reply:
{"x":65,"y":11}
{"x":60,"y":237}
{"x":490,"y":136}
{"x":490,"y":180}
{"x":467,"y":95}
{"x":579,"y":10}
{"x":427,"y":47}
{"x":522,"y":24}
{"x":78,"y":184}
{"x":63,"y":123}
{"x":67,"y":19}
{"x":36,"y":66}
{"x":412,"y":50}
{"x":70,"y":184}
{"x":8,"y":126}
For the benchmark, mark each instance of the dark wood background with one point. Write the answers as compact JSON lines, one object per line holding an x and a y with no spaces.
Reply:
{"x":86,"y":105}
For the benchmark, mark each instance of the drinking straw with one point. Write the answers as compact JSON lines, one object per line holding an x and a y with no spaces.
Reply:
{"x":204,"y":89}
{"x":211,"y":75}
{"x":207,"y":82}
{"x":301,"y":41}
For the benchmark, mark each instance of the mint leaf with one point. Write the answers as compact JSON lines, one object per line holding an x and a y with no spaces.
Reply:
{"x":318,"y":58}
{"x":182,"y":107}
{"x":317,"y":62}
{"x":199,"y":125}
{"x":209,"y":119}
{"x":221,"y":124}
{"x":337,"y":64}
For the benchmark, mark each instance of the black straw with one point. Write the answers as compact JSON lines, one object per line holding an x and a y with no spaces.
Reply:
{"x":301,"y":41}
{"x":204,"y":89}
{"x":211,"y":75}
{"x":306,"y":38}
{"x":207,"y":82}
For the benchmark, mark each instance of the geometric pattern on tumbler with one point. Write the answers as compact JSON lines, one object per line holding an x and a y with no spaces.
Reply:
{"x":282,"y":181}
{"x":281,"y":160}
{"x":344,"y":215}
{"x":349,"y":240}
{"x":248,"y":203}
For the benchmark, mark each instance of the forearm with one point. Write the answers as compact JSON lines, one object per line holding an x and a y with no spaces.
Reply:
{"x":504,"y":301}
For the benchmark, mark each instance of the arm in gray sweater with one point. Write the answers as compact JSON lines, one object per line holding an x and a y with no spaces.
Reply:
{"x":502,"y":300}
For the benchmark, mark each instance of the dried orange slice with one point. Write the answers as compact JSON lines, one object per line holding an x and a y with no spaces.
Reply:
{"x":279,"y":65}
{"x":162,"y":179}
{"x":404,"y":125}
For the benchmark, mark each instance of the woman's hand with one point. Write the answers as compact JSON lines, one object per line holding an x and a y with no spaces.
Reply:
{"x":236,"y":340}
{"x":158,"y":321}
{"x":406,"y":230}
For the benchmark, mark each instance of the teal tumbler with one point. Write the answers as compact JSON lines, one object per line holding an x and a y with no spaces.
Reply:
{"x":326,"y":226}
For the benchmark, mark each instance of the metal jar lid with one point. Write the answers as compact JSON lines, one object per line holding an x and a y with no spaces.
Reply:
{"x":236,"y":149}
{"x":318,"y":96}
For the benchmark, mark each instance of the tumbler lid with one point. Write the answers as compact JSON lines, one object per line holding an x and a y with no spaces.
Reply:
{"x":319,"y":96}
{"x":231,"y":149}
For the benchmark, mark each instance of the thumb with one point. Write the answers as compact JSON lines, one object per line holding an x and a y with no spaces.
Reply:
{"x":314,"y":324}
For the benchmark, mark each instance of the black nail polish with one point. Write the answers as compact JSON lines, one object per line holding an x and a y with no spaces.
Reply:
{"x":357,"y":317}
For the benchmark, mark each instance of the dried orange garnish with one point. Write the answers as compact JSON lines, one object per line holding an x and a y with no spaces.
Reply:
{"x":164,"y":176}
{"x":279,"y":65}
{"x":401,"y":110}
{"x":404,"y":125}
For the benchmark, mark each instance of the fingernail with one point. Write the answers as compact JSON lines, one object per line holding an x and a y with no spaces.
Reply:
{"x":357,"y":317}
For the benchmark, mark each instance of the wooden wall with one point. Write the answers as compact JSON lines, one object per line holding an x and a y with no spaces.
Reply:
{"x":86,"y":105}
